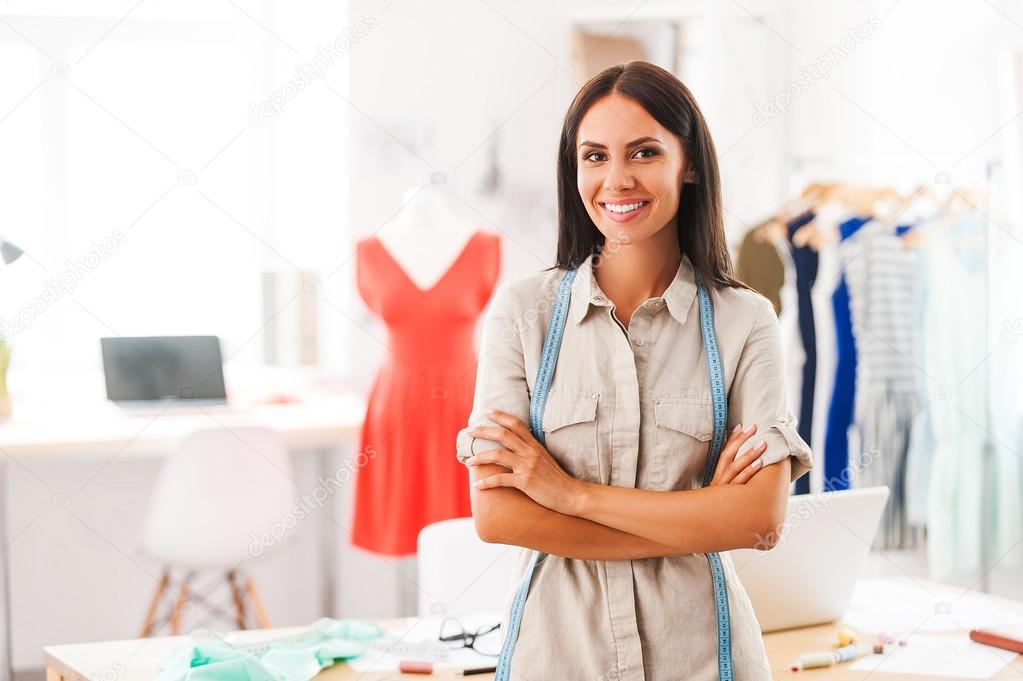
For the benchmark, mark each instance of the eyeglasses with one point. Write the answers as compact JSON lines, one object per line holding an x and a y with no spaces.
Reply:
{"x":454,"y":635}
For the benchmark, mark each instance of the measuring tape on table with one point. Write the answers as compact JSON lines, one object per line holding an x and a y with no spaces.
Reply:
{"x":719,"y":406}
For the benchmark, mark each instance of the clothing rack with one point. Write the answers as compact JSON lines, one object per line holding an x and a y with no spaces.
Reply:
{"x":905,"y":171}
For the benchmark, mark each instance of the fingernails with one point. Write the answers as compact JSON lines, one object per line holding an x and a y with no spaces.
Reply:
{"x":756,"y":464}
{"x":762,"y":446}
{"x":738,"y":427}
{"x":749,"y":431}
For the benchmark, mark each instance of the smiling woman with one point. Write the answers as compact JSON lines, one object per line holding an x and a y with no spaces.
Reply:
{"x":621,"y":495}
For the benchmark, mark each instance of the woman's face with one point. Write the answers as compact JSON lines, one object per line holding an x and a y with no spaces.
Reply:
{"x":625,"y":157}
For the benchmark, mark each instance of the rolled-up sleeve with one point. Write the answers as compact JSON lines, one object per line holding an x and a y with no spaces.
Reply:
{"x":758,"y":394}
{"x":500,"y":372}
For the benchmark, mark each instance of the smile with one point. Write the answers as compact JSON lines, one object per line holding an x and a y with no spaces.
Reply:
{"x":623,"y":212}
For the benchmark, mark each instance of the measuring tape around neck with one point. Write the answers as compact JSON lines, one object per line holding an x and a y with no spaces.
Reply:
{"x":719,"y":407}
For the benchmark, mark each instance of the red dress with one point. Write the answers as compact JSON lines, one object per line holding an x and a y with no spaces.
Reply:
{"x":422,"y":395}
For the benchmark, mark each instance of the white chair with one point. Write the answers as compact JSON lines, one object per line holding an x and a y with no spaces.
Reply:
{"x":459,"y":573}
{"x":221,"y":499}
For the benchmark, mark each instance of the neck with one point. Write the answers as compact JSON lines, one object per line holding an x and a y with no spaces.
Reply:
{"x":630,"y":274}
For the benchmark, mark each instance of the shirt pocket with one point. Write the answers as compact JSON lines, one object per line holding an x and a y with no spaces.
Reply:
{"x":571,"y":433}
{"x":681,"y":441}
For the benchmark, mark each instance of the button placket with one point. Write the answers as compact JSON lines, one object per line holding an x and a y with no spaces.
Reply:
{"x":623,"y":464}
{"x":639,"y":325}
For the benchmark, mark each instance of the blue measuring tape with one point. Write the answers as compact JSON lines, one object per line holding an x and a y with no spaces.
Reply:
{"x":719,"y":405}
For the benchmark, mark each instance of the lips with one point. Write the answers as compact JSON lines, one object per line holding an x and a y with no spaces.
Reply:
{"x":623,"y":217}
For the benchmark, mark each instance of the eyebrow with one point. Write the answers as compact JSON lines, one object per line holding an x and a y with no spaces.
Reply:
{"x":633,"y":143}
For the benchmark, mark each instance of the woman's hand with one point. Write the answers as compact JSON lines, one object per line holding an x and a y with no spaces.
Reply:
{"x":533,"y":470}
{"x":732,"y":470}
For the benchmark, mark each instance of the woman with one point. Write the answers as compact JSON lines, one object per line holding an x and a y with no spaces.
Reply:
{"x":613,"y":496}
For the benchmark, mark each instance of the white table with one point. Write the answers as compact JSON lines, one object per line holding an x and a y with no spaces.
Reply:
{"x":321,"y":424}
{"x":141,"y":659}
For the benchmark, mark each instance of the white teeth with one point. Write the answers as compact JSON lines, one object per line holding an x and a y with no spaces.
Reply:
{"x":624,"y":208}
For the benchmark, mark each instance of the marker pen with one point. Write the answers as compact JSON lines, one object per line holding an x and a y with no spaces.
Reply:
{"x":826,"y":658}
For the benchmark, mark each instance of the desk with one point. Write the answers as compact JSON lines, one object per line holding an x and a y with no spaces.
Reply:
{"x":140,"y":658}
{"x":320,"y":425}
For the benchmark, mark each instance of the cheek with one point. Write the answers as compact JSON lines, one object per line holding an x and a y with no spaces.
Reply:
{"x":588,"y":183}
{"x":666,"y":192}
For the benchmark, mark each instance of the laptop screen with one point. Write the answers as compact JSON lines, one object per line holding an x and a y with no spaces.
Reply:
{"x":163,"y":367}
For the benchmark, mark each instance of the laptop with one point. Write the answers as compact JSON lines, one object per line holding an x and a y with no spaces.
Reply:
{"x":808,"y":577}
{"x":164,"y":372}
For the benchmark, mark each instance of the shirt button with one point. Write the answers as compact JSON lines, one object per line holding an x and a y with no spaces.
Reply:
{"x":594,"y":395}
{"x":639,"y":341}
{"x":599,"y":299}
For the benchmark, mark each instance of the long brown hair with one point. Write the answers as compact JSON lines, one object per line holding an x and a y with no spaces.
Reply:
{"x":701,"y":230}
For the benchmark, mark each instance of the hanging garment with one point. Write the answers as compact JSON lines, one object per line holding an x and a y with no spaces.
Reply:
{"x":788,"y":327}
{"x":956,"y":349}
{"x":884,"y":295}
{"x":626,"y":408}
{"x":759,"y":266}
{"x":805,"y":260}
{"x":840,"y":412}
{"x":829,"y":216}
{"x":295,"y":658}
{"x":422,"y":394}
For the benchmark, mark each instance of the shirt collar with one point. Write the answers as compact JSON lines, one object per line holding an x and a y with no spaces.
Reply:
{"x":679,"y":295}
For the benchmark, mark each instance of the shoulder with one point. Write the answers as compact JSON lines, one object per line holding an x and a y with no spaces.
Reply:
{"x":529,"y":292}
{"x":743,"y":310}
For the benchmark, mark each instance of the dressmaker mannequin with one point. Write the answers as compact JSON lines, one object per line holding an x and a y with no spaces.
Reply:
{"x":427,"y":276}
{"x":428,"y":235}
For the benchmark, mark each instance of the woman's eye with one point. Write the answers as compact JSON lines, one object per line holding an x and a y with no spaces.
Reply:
{"x":650,"y":154}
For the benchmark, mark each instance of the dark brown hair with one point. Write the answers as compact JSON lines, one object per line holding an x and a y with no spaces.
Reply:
{"x":701,"y":231}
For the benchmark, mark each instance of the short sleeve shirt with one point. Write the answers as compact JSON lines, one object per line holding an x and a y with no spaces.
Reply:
{"x":631,"y":407}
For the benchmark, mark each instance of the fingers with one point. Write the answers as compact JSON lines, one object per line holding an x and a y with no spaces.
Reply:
{"x":725,"y":469}
{"x":498,"y":434}
{"x":502,"y":457}
{"x":738,"y":436}
{"x":510,"y":422}
{"x":499,"y":480}
{"x":749,"y":463}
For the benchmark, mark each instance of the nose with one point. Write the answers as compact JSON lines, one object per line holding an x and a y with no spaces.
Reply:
{"x":618,"y":177}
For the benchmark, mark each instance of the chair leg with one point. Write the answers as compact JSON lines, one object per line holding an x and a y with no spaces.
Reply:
{"x":257,"y":604}
{"x":236,"y":596}
{"x":147,"y":626}
{"x":179,"y":606}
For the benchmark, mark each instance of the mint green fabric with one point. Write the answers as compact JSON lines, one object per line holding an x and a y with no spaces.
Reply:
{"x":296,"y":658}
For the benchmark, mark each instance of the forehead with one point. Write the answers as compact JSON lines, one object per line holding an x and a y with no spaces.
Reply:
{"x":615,"y":120}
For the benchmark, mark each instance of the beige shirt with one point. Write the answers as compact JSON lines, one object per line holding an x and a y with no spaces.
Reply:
{"x":632,"y":408}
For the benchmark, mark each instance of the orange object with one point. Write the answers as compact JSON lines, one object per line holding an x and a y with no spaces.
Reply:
{"x":415,"y":667}
{"x":1009,"y":638}
{"x":406,"y":472}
